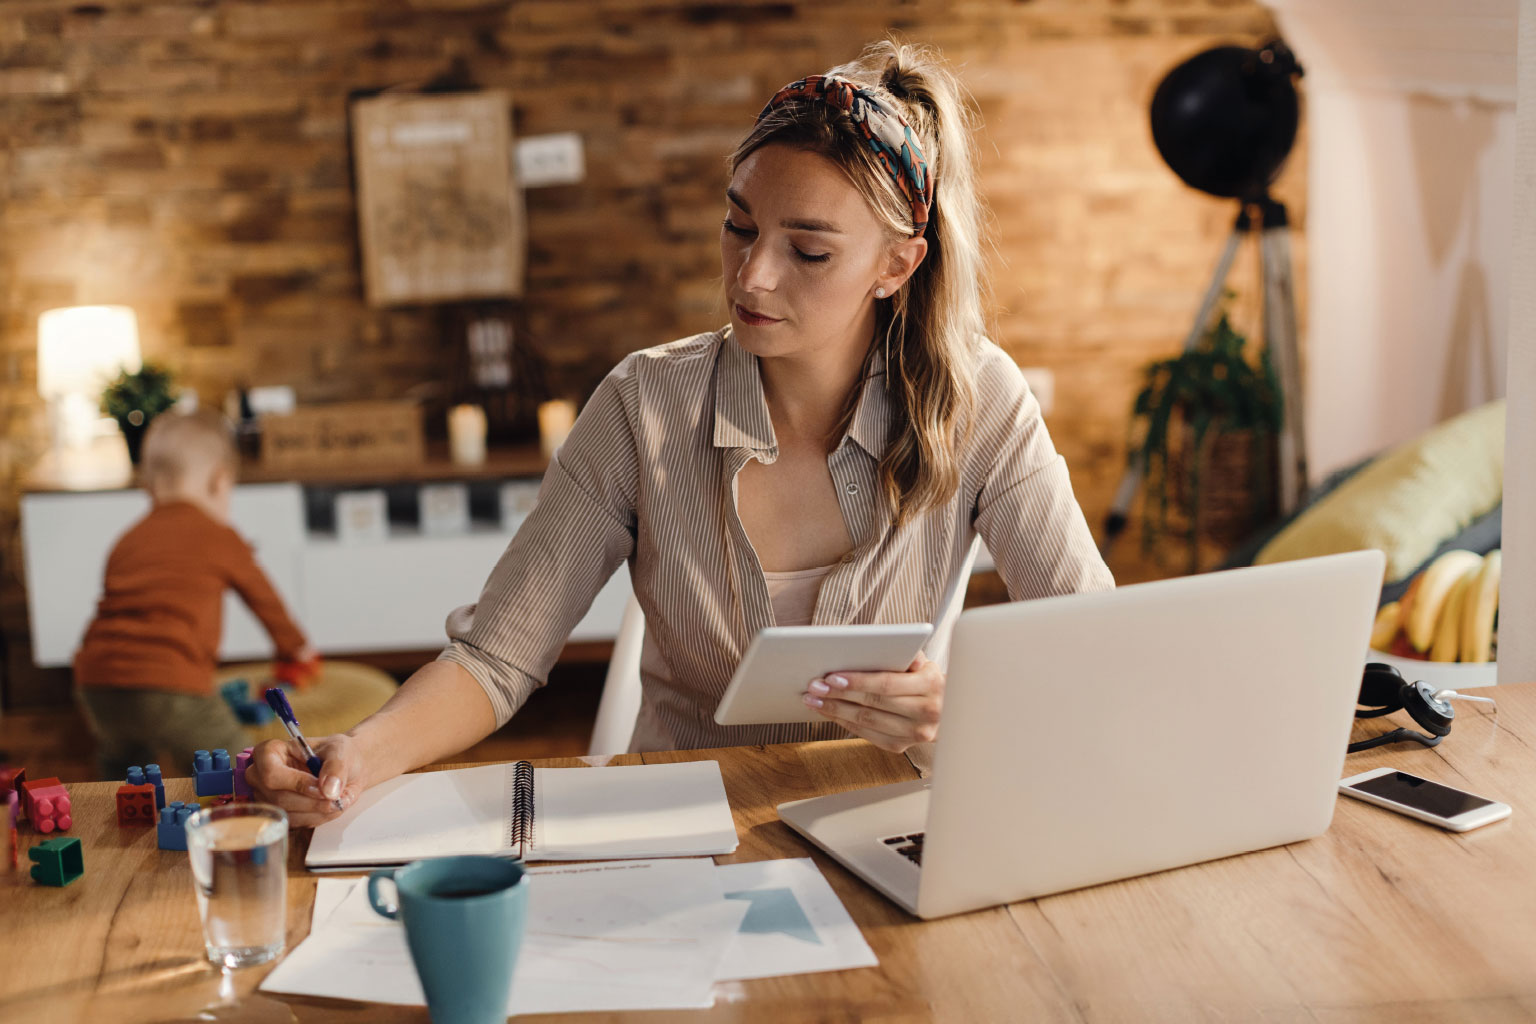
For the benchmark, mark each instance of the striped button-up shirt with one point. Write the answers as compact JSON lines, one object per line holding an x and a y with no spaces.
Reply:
{"x":648,"y":476}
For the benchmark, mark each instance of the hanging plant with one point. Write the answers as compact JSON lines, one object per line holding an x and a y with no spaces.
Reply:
{"x":1189,"y":400}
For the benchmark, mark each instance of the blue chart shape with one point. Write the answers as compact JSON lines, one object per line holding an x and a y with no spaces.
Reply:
{"x":775,"y":910}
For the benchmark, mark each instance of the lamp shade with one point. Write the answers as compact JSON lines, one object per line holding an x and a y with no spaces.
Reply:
{"x":81,"y":348}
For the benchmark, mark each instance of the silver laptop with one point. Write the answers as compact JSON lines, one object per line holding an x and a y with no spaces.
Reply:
{"x":1093,"y":737}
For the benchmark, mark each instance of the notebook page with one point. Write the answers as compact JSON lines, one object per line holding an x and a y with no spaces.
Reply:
{"x":432,"y":814}
{"x":643,"y":810}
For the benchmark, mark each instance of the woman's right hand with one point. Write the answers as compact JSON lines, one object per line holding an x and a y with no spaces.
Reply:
{"x":278,"y":775}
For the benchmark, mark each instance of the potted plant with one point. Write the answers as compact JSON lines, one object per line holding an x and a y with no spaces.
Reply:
{"x":133,"y":399}
{"x":1208,"y":419}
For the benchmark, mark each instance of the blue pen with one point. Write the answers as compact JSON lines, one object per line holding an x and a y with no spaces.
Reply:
{"x":278,"y":701}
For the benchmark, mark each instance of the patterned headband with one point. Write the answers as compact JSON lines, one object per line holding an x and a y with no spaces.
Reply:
{"x":887,"y":132}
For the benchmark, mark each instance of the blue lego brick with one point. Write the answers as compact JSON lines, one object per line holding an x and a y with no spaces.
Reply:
{"x":252,"y":713}
{"x":171,"y":829}
{"x":152,"y":776}
{"x":236,"y":691}
{"x":213,"y":773}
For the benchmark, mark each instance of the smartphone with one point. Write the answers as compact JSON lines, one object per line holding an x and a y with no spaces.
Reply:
{"x":1433,"y":802}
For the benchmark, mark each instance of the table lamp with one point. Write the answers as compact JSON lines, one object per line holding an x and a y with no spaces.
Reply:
{"x":80,"y":349}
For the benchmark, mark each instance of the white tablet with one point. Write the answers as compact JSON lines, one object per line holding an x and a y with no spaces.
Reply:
{"x":770,"y":682}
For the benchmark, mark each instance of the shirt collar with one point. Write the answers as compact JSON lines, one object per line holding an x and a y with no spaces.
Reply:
{"x":741,"y":410}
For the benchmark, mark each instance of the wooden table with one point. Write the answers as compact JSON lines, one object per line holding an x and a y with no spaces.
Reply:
{"x":1382,"y":918}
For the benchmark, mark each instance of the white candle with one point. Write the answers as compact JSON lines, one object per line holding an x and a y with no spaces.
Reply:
{"x":555,"y":419}
{"x":466,"y":434}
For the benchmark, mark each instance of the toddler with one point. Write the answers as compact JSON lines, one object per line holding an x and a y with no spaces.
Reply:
{"x":144,"y":672}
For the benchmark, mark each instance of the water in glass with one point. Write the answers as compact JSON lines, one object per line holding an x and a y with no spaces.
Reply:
{"x":239,"y":858}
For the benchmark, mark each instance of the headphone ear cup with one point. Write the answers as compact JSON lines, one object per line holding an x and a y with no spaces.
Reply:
{"x":1382,"y":686}
{"x":1434,"y":715}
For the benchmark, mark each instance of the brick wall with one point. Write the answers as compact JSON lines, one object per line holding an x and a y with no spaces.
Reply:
{"x":189,"y":158}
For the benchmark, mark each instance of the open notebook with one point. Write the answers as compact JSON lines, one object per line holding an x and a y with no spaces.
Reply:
{"x":516,"y":810}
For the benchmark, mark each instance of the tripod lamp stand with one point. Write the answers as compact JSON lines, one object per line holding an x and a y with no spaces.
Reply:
{"x":1225,"y":121}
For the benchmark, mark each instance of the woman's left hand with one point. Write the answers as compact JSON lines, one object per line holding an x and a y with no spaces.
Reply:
{"x":892,"y":710}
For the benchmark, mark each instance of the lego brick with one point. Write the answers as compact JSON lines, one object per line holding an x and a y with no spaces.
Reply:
{"x":252,"y":713}
{"x":212,"y":773}
{"x":242,"y":762}
{"x":47,"y":805}
{"x":18,"y":778}
{"x":216,"y":800}
{"x":236,"y":692}
{"x":59,"y":861}
{"x":12,"y":813}
{"x":11,"y":776}
{"x":136,"y":804}
{"x":152,"y":776}
{"x":171,"y":829}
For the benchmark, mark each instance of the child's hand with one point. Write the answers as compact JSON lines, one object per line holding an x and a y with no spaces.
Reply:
{"x":278,"y":775}
{"x":301,"y":671}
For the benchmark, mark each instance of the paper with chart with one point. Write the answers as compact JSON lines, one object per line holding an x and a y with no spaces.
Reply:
{"x":615,"y":936}
{"x":796,"y":924}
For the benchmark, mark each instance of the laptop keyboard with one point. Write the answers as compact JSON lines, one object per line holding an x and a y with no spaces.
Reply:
{"x":910,"y":847}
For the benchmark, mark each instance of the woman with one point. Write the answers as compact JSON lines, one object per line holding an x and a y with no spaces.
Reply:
{"x":825,"y":458}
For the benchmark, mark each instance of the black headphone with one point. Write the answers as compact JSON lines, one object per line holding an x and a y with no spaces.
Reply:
{"x":1383,"y":690}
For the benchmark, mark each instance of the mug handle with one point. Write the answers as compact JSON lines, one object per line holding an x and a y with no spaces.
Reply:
{"x":389,"y":910}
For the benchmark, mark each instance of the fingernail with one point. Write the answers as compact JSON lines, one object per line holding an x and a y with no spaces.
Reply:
{"x":311,"y":789}
{"x":330,"y":787}
{"x":838,"y":681}
{"x":819,"y":687}
{"x":814,"y":702}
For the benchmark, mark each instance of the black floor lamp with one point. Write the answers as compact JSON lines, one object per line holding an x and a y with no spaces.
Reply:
{"x":1225,"y":121}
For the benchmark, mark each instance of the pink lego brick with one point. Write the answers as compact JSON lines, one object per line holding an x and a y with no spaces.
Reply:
{"x":242,"y":762}
{"x":49,"y":805}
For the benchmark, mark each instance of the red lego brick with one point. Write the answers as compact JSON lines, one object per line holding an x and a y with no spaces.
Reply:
{"x":47,"y":805}
{"x":136,"y":805}
{"x":12,"y":813}
{"x":297,"y":674}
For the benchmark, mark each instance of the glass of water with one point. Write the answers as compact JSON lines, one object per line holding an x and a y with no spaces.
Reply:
{"x":239,"y":858}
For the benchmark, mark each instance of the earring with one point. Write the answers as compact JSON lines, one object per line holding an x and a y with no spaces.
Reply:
{"x":879,"y":293}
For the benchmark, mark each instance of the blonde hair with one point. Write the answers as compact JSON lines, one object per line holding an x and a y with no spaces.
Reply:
{"x":929,"y":330}
{"x":183,"y":450}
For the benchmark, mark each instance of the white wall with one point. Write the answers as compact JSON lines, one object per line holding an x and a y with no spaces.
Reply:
{"x":1410,"y":120}
{"x":1421,"y":238}
{"x":1517,"y":596}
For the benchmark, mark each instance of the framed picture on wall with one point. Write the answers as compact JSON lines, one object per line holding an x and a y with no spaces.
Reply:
{"x":439,"y":213}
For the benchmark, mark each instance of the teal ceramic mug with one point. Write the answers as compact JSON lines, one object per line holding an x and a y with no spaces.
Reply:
{"x":463,"y":920}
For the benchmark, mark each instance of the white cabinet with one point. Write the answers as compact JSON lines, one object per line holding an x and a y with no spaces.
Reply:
{"x":396,"y":594}
{"x":67,"y":537}
{"x":391,"y":595}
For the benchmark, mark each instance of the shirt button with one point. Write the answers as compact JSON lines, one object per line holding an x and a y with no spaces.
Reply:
{"x":852,"y":488}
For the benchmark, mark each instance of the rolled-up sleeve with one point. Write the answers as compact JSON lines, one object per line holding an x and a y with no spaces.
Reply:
{"x":579,"y":532}
{"x":1025,"y":509}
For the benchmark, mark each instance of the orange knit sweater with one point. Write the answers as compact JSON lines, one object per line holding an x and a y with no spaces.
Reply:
{"x":161,"y":612}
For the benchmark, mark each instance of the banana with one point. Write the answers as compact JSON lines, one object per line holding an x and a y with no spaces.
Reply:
{"x":1405,"y":603}
{"x":1388,"y":622}
{"x":1481,"y":605}
{"x":1447,"y":644}
{"x":1441,"y":576}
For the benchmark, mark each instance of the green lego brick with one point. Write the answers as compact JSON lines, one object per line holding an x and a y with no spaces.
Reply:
{"x":59,"y":861}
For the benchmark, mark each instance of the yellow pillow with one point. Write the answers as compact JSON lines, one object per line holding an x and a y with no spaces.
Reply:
{"x":1409,"y":501}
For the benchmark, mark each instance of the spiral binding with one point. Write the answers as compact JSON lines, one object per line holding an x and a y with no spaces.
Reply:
{"x":520,"y":815}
